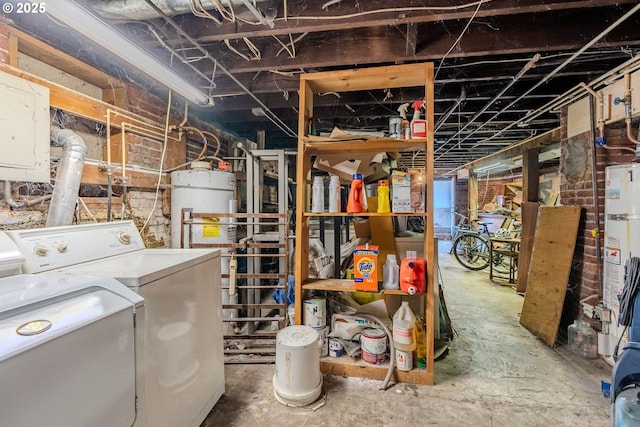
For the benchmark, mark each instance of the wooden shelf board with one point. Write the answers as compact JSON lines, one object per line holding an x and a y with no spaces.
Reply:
{"x":354,"y":367}
{"x":322,"y":145}
{"x":393,"y":76}
{"x":363,"y":214}
{"x":341,"y":285}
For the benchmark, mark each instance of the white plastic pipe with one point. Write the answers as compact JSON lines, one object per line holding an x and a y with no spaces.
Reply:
{"x":68,"y":176}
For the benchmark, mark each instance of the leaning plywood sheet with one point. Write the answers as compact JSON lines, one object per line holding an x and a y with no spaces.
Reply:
{"x":551,"y":258}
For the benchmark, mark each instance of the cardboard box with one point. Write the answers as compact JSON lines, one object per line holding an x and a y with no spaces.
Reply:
{"x":362,"y":228}
{"x":365,"y":268}
{"x":372,"y":166}
{"x":418,"y":181}
{"x":336,"y":164}
{"x":400,"y":192}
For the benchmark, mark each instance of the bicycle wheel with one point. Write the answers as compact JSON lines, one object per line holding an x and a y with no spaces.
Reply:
{"x":471,"y":251}
{"x":500,"y":263}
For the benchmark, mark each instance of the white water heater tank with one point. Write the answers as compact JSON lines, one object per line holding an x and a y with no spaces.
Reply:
{"x":203,"y":191}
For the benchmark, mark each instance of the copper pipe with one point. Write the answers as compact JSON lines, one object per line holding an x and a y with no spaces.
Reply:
{"x":627,"y":108}
{"x":619,"y":148}
{"x":204,"y":139}
{"x":217,"y":142}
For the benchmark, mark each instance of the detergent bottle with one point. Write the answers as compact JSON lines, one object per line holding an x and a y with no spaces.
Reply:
{"x":404,"y":328}
{"x":413,"y":274}
{"x":384,"y":205}
{"x":418,"y":125}
{"x":357,"y":202}
{"x":391,"y":273}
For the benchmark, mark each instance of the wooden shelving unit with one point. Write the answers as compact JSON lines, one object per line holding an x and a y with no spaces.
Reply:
{"x":397,"y":76}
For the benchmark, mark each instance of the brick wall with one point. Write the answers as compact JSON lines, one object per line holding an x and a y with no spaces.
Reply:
{"x":576,"y":188}
{"x":141,"y":151}
{"x":461,"y":194}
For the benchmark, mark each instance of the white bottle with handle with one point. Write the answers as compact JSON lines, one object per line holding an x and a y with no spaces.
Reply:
{"x":404,"y":328}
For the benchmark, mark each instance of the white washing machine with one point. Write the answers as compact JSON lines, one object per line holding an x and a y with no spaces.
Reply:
{"x":68,"y":349}
{"x":184,"y":360}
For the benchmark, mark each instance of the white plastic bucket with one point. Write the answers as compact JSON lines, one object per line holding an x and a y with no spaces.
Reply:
{"x":297,"y":380}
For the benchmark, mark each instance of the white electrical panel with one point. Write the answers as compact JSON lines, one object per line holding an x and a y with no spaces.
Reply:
{"x":24,"y":130}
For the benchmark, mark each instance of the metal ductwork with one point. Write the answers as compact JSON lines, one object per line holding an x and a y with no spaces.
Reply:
{"x":68,"y":176}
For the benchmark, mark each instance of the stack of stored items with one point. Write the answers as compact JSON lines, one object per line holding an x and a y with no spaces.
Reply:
{"x":365,"y":332}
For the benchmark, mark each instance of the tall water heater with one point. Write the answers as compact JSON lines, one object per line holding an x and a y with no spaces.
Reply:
{"x":622,"y":232}
{"x":205,"y":191}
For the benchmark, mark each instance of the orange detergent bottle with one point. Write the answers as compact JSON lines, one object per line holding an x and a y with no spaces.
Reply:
{"x":413,"y":279}
{"x":357,"y":202}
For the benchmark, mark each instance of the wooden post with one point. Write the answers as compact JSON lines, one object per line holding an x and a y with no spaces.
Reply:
{"x":530,"y":175}
{"x":473,"y":194}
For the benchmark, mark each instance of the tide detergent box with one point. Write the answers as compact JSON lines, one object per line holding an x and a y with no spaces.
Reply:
{"x":365,"y":268}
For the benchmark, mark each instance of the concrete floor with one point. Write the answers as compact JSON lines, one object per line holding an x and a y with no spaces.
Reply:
{"x":496,"y":374}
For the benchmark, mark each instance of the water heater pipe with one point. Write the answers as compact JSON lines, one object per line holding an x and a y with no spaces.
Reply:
{"x":628,"y":108}
{"x":600,"y":140}
{"x":68,"y":176}
{"x":594,"y":183}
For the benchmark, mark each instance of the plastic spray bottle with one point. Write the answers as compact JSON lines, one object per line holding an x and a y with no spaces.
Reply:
{"x":405,"y":134}
{"x":357,"y":202}
{"x":418,"y":125}
{"x":391,"y":273}
{"x":383,"y":196}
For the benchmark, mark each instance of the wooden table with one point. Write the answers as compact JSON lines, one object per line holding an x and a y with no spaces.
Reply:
{"x":508,"y":247}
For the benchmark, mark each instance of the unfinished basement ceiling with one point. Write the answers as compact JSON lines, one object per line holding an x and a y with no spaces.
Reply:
{"x":497,"y":61}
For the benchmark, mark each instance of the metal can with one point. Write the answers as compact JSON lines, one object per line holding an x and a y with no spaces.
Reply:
{"x":335,"y":348}
{"x":373,"y":343}
{"x":404,"y":360}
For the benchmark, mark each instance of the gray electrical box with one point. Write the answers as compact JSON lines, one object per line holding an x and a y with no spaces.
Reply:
{"x":24,"y":130}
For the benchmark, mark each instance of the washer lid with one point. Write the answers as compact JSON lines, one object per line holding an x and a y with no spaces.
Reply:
{"x":10,"y":256}
{"x":19,"y":292}
{"x":142,"y":267}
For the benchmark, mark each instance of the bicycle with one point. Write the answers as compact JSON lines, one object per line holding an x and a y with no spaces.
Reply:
{"x":471,"y":249}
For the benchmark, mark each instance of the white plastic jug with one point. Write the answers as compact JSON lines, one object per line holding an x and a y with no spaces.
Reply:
{"x":317,"y":195}
{"x":391,"y":273}
{"x":404,"y":328}
{"x":334,"y":193}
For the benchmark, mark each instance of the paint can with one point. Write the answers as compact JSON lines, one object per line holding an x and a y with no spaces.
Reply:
{"x":335,"y":348}
{"x":323,"y":341}
{"x":373,"y":343}
{"x":404,"y":360}
{"x":315,"y":312}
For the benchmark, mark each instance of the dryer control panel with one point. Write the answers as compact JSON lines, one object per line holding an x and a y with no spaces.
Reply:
{"x":53,"y":248}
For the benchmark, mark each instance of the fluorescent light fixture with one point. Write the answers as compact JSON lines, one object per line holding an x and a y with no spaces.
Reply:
{"x":92,"y":27}
{"x":258,"y":112}
{"x":488,"y":167}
